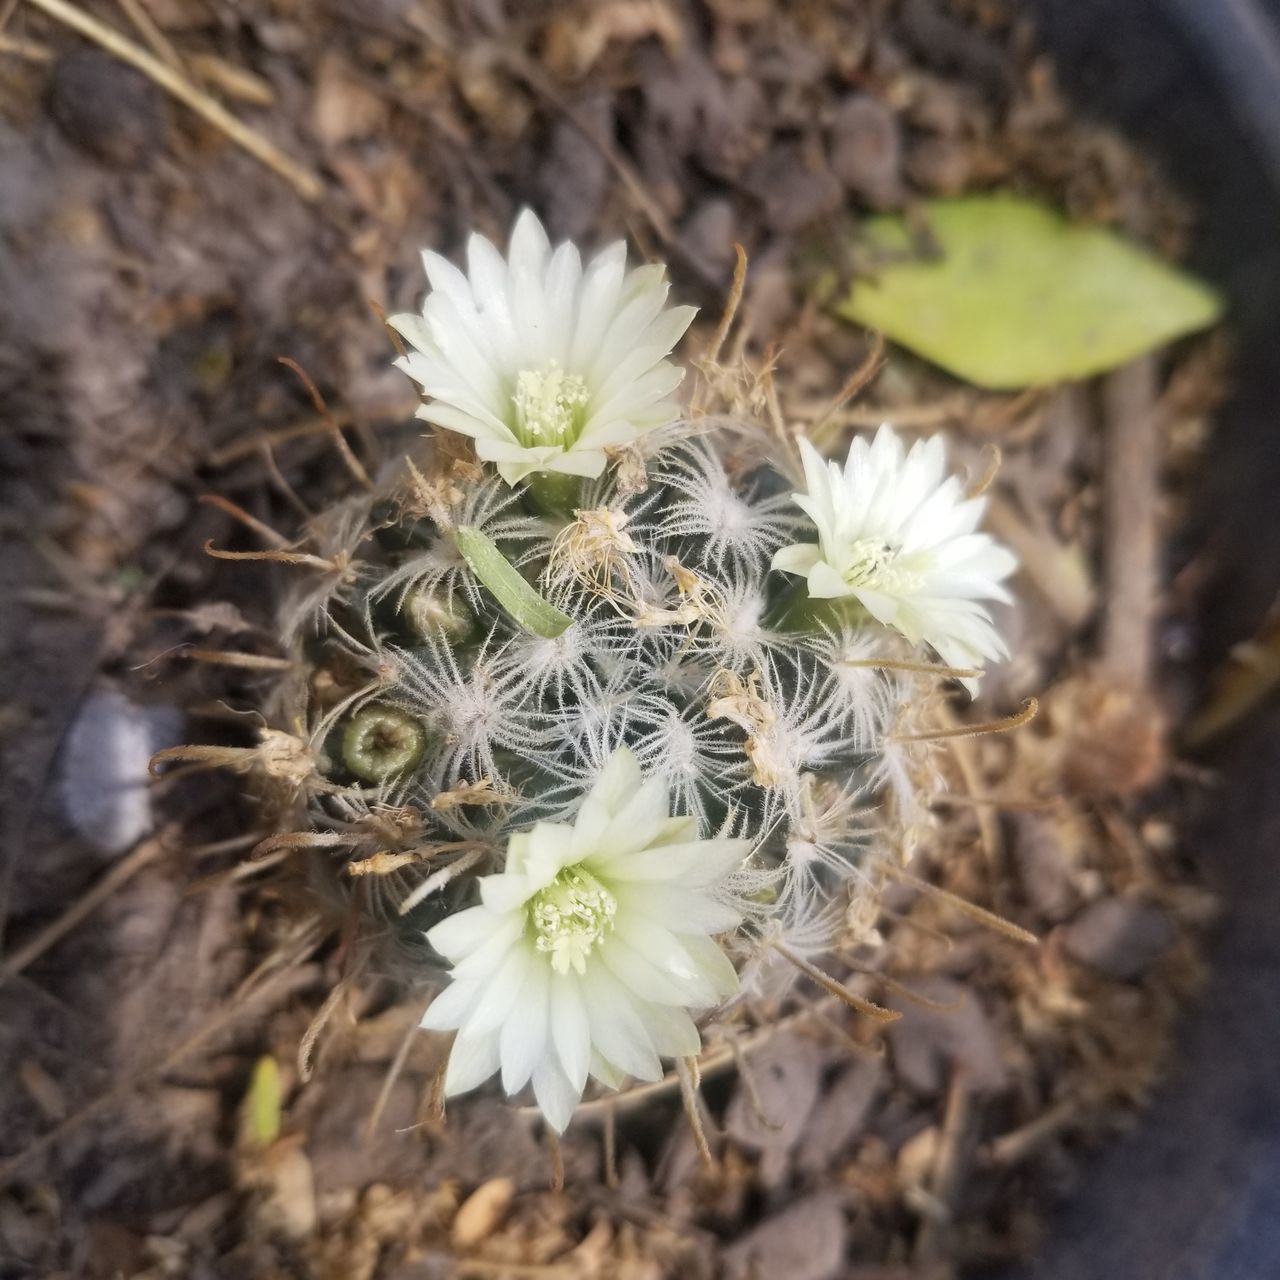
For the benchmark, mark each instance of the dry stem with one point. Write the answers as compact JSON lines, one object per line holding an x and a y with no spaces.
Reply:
{"x":306,"y":183}
{"x":1131,"y":494}
{"x":119,"y":875}
{"x":269,"y":975}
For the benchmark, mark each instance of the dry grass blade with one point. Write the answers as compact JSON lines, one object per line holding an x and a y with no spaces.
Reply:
{"x":948,"y":1168}
{"x":685,"y":1068}
{"x":152,"y":34}
{"x":837,"y":989}
{"x":920,"y":668}
{"x":822,"y":427}
{"x":119,"y":875}
{"x":306,"y":183}
{"x":234,"y":658}
{"x":1030,"y":708}
{"x":988,"y":919}
{"x":263,"y":981}
{"x":280,"y":557}
{"x":237,"y":512}
{"x":395,"y":1069}
{"x":349,"y":459}
{"x":28,"y":50}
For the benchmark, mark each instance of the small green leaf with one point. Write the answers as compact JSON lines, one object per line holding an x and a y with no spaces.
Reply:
{"x":511,"y":591}
{"x":264,"y":1102}
{"x":1021,"y":297}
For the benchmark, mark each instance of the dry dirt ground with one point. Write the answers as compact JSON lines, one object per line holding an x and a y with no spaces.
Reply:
{"x":152,"y":271}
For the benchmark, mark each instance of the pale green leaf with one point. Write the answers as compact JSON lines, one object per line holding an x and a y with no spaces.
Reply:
{"x":1020,"y":296}
{"x":510,"y":590}
{"x":264,"y":1102}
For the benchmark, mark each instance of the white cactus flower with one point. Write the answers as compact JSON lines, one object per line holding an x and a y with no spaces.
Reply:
{"x":543,"y":362}
{"x":587,"y":952}
{"x":899,"y":536}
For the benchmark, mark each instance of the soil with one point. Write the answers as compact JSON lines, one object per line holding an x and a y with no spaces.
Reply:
{"x":201,"y":1081}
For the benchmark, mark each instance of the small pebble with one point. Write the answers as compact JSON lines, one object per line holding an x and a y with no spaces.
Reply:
{"x":102,"y":769}
{"x":1119,"y":937}
{"x":866,"y":150}
{"x":939,"y":166}
{"x":840,"y":1116}
{"x":928,"y":1045}
{"x":806,"y":1241}
{"x":787,"y":1075}
{"x":1042,"y":866}
{"x":481,"y":1212}
{"x":107,"y":108}
{"x":794,"y":187}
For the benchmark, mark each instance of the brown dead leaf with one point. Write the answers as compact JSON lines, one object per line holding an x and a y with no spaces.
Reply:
{"x":480,"y":1213}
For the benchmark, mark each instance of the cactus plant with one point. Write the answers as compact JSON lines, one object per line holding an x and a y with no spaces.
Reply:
{"x":602,"y":712}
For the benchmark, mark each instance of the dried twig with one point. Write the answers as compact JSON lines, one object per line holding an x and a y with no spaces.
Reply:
{"x":824,"y":427}
{"x":349,"y":459}
{"x":1131,"y":493}
{"x":396,"y":1068}
{"x":237,"y":512}
{"x":988,"y":919}
{"x":29,"y":50}
{"x":1015,"y":1146}
{"x":948,"y":1166}
{"x":119,"y":875}
{"x":303,"y":180}
{"x":236,"y":658}
{"x":151,"y":33}
{"x":263,"y":981}
{"x":1059,"y":572}
{"x":685,"y":1068}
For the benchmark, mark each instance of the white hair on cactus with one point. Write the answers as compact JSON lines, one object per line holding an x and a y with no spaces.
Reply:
{"x":733,"y":528}
{"x":865,"y":694}
{"x":469,"y":712}
{"x":691,"y":754}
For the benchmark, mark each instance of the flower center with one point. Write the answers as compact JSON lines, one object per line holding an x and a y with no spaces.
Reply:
{"x":570,"y":916}
{"x":873,"y":563}
{"x":548,"y":404}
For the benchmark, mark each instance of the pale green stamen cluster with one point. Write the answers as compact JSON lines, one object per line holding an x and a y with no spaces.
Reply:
{"x":873,"y":564}
{"x":570,"y":916}
{"x":548,"y":404}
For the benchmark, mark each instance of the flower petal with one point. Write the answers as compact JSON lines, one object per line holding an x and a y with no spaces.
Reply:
{"x":557,"y":1098}
{"x":798,"y":558}
{"x":616,"y":1029}
{"x":472,"y":1060}
{"x":522,"y":1041}
{"x":570,"y":1028}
